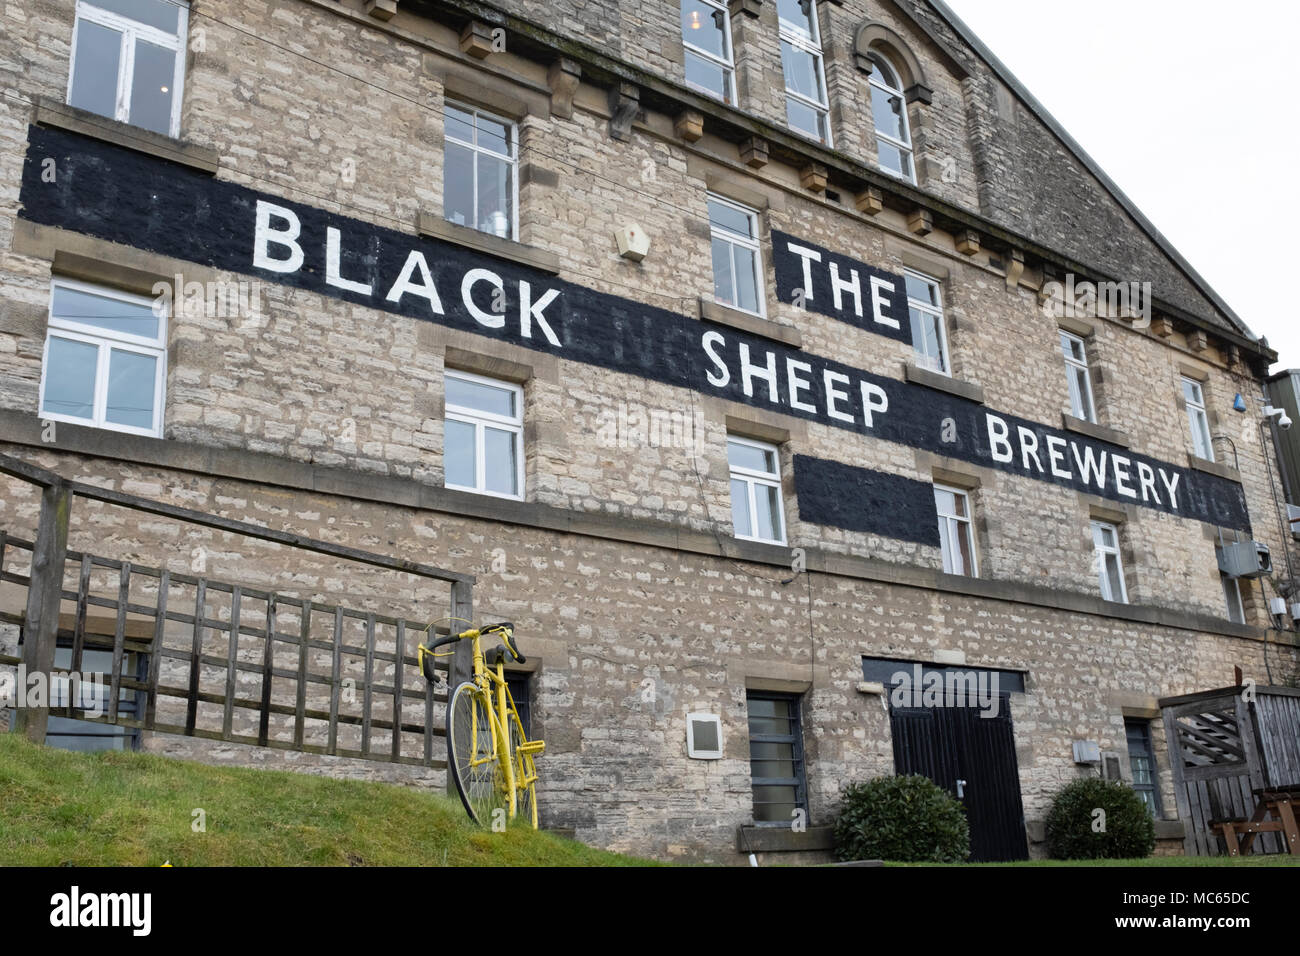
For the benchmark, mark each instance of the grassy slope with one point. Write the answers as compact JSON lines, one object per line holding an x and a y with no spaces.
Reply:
{"x":60,"y":808}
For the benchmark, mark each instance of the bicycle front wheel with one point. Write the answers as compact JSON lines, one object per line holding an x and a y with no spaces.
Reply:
{"x":472,"y":758}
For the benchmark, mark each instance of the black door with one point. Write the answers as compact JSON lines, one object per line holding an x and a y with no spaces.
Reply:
{"x":973,"y":758}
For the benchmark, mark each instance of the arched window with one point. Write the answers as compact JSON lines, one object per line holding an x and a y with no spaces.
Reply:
{"x":889,"y":110}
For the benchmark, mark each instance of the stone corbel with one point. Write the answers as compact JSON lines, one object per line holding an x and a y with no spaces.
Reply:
{"x":563,"y":78}
{"x":813,"y":177}
{"x":1015,"y":268}
{"x":753,"y":152}
{"x":624,"y":104}
{"x":689,"y":125}
{"x":381,"y":9}
{"x":748,"y":8}
{"x":870,"y":202}
{"x":476,"y":39}
{"x":921,"y":222}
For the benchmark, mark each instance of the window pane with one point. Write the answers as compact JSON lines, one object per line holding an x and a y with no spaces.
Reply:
{"x":740,"y":508}
{"x":94,"y":78}
{"x":887,"y":111}
{"x":458,"y":185}
{"x":894,"y":160}
{"x":798,"y":14}
{"x":724,"y":289}
{"x":1072,"y":348}
{"x":770,"y":751}
{"x":151,"y":89}
{"x":1080,"y":394}
{"x":160,"y":14}
{"x":774,"y":803}
{"x":705,"y":27}
{"x":945,"y":545}
{"x":768,"y":520}
{"x":922,"y":291}
{"x":804,"y":118}
{"x":70,"y":378}
{"x":1192,"y":392}
{"x":752,"y":458}
{"x":1114,"y":578}
{"x":884,"y":73}
{"x":104,"y":312}
{"x":458,"y":454}
{"x":495,"y":196}
{"x":802,"y":74}
{"x":730,"y":218}
{"x":132,"y":378}
{"x":964,"y":552}
{"x":500,"y":461}
{"x":945,"y":501}
{"x":481,"y":397}
{"x":709,"y":76}
{"x":925,"y":339}
{"x":746,"y":278}
{"x":495,"y":136}
{"x":458,"y":124}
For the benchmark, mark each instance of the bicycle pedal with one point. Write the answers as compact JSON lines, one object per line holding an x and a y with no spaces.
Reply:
{"x":534,"y":748}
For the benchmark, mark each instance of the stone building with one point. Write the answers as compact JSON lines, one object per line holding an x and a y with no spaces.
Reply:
{"x":750,"y":355}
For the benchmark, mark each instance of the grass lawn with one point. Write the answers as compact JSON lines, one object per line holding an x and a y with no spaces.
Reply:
{"x":132,"y":809}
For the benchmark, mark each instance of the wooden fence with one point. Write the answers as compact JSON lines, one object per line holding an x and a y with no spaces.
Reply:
{"x":216,"y":659}
{"x":1225,"y":747}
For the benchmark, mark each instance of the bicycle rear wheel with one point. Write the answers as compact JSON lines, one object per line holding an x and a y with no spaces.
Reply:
{"x":525,"y":774}
{"x":472,"y":758}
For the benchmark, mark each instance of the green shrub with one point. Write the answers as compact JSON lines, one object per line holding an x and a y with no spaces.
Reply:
{"x":1128,"y":833}
{"x":901,"y":819}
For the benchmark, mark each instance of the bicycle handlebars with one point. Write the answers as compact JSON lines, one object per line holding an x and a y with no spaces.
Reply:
{"x":505,"y":628}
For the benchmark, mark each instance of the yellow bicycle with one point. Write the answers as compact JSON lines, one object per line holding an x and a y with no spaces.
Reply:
{"x":488,"y":754}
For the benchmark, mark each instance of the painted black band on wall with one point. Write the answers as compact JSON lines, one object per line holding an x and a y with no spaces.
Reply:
{"x":859,"y":499}
{"x":126,"y":197}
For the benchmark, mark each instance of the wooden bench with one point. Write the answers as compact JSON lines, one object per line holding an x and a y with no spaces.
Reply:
{"x":1281,"y":803}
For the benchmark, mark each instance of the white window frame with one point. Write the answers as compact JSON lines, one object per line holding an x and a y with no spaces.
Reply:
{"x":1100,"y":552}
{"x":752,"y":243}
{"x":811,"y":44}
{"x":1081,"y":405}
{"x":728,"y":65}
{"x":905,"y":147}
{"x":108,"y":341}
{"x":929,"y":309}
{"x":480,"y":420}
{"x":133,"y":31}
{"x":753,"y":479}
{"x":476,"y":150}
{"x":1198,"y":415}
{"x":956,"y":524}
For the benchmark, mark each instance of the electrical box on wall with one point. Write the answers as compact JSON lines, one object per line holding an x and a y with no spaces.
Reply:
{"x":633,"y":242}
{"x":1245,"y":559}
{"x":1087,"y":752}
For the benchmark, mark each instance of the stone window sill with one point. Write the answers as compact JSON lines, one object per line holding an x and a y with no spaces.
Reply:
{"x":1093,"y":430}
{"x":733,"y":318}
{"x":50,"y":112}
{"x":438,"y":228}
{"x":1213,"y":468}
{"x":943,"y":383}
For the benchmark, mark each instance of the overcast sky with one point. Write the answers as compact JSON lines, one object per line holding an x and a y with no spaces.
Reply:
{"x":1188,"y":106}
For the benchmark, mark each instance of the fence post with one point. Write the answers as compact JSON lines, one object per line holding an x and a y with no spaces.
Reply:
{"x":460,"y":666}
{"x":44,"y":595}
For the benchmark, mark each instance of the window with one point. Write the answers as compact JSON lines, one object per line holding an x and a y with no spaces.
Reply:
{"x":519,"y":683}
{"x":776,"y":758}
{"x":1194,"y":395}
{"x":128,"y":61}
{"x":105,"y":359}
{"x":801,"y":60}
{"x":955,"y":534}
{"x":482,"y":447}
{"x":480,"y":188}
{"x":737,"y":263}
{"x":889,"y":110}
{"x":69,"y":733}
{"x":756,"y":509}
{"x":1110,"y":567}
{"x":1232,"y":594}
{"x":1142,"y":761}
{"x":925,"y":307}
{"x":1076,"y":373}
{"x":706,"y":36}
